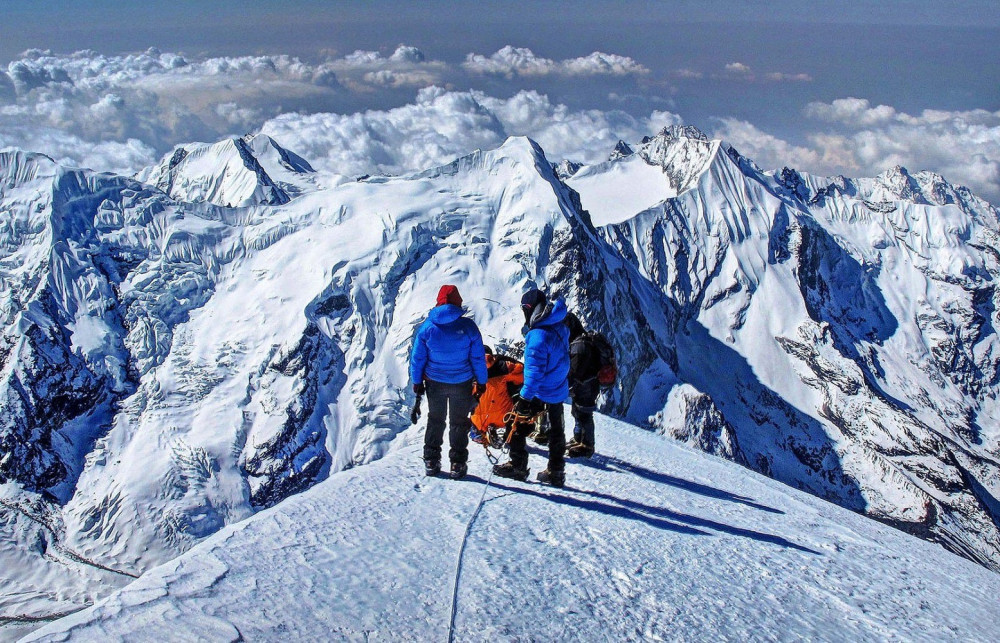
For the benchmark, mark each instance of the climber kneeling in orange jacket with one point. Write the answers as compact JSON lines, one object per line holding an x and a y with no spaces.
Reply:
{"x":505,"y":375}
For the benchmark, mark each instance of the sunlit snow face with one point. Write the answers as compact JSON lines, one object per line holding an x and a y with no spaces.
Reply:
{"x":828,"y":91}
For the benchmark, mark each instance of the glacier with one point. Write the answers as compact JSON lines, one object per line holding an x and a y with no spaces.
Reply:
{"x":191,"y":346}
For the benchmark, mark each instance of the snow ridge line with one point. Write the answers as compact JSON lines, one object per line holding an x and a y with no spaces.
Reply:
{"x":461,"y":554}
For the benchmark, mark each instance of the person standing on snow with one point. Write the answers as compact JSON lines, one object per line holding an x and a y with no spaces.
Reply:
{"x":584,"y":387}
{"x":546,"y":386}
{"x":448,"y":364}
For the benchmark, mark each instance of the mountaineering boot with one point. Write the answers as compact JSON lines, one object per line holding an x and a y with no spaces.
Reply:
{"x":432,"y":468}
{"x":579,"y":450}
{"x":554,"y":478}
{"x":508,"y":470}
{"x":458,"y":470}
{"x":573,"y":442}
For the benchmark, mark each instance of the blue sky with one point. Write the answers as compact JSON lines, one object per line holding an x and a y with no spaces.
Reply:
{"x":752,"y":71}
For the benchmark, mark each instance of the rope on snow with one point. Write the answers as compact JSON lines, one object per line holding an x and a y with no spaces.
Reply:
{"x":461,"y":554}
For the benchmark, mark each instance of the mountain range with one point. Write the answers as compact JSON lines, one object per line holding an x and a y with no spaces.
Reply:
{"x":185,"y":348}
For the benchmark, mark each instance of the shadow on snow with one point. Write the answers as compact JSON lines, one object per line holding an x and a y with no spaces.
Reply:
{"x":658,"y":517}
{"x":608,"y":463}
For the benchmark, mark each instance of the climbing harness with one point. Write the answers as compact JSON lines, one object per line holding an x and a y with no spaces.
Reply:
{"x":498,"y":437}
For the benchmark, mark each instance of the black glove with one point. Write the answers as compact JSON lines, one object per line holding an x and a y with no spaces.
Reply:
{"x":528,"y":408}
{"x":478,"y":390}
{"x":514,"y":391}
{"x":419,"y":389}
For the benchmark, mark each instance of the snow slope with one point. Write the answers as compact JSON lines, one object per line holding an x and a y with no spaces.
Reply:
{"x":649,"y":541}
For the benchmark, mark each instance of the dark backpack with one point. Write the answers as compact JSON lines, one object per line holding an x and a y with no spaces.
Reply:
{"x":591,"y":355}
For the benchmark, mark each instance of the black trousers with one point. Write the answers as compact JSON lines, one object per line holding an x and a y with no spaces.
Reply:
{"x":557,"y":440}
{"x":584,"y":396}
{"x":449,"y":403}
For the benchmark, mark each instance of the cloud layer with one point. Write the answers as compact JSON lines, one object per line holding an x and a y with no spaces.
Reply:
{"x":441,"y":125}
{"x":120,"y":113}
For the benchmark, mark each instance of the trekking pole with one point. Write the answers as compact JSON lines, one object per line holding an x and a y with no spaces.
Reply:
{"x":415,"y":413}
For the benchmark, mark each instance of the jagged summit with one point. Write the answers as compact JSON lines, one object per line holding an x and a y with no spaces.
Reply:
{"x":567,"y":168}
{"x":661,"y":167}
{"x":250,"y":170}
{"x":892,"y":190}
{"x":899,"y":183}
{"x":621,"y":151}
{"x":671,"y":132}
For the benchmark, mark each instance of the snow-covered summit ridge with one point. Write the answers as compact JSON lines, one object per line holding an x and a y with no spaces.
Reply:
{"x":639,"y":530}
{"x":883,"y":193}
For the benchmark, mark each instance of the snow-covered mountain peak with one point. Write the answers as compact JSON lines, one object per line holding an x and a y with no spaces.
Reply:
{"x":515,"y":152}
{"x":621,"y":150}
{"x":249,"y":170}
{"x":662,"y":167}
{"x":898,"y":183}
{"x":671,"y":132}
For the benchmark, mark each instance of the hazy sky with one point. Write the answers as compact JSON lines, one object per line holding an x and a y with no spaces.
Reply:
{"x":824,"y":86}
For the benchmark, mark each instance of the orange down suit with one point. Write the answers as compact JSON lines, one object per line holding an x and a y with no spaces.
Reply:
{"x":495,"y":403}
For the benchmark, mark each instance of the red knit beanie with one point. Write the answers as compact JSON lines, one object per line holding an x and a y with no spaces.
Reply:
{"x":449,"y":295}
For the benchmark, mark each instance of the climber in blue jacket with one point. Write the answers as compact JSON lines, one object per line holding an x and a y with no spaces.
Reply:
{"x":448,"y":363}
{"x":546,"y":386}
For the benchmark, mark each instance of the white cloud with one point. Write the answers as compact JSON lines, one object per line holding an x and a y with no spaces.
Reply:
{"x":766,"y":150}
{"x":121,"y":112}
{"x":739,"y":69}
{"x":443,"y":125}
{"x":392,"y":78}
{"x":781,"y":77}
{"x":856,"y":111}
{"x":107,"y":156}
{"x":687,"y":74}
{"x":520,"y":61}
{"x":130,"y":104}
{"x":162,"y":99}
{"x":159,"y":99}
{"x":405,"y":67}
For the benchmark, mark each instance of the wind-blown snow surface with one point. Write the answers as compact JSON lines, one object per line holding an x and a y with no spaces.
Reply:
{"x":649,"y":541}
{"x":169,"y":367}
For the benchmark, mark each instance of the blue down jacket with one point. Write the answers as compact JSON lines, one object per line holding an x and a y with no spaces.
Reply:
{"x":546,"y":355}
{"x":448,"y":348}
